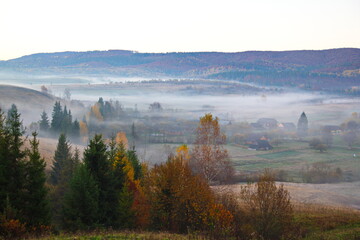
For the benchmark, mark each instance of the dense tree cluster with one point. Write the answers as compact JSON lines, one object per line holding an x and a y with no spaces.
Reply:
{"x":61,"y":122}
{"x":23,"y":196}
{"x":110,"y":189}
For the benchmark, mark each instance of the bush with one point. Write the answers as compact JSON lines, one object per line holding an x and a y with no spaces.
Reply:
{"x":12,"y":229}
{"x":321,"y":173}
{"x":271,"y":213}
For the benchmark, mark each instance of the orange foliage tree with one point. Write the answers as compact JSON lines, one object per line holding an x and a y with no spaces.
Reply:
{"x":209,"y":158}
{"x":133,"y":203}
{"x":181,"y":200}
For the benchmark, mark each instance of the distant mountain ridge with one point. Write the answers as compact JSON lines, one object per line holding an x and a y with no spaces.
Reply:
{"x":304,"y":68}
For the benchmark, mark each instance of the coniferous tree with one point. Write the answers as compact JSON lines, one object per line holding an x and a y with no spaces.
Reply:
{"x":4,"y":162}
{"x":112,"y":150}
{"x":61,"y":174}
{"x":76,"y":157}
{"x":15,"y":159}
{"x":97,"y":162}
{"x":75,"y":130}
{"x":302,"y":126}
{"x":134,"y":160}
{"x":62,"y":161}
{"x":101,"y":105}
{"x":81,"y":202}
{"x":57,"y":116}
{"x":44,"y":122}
{"x":35,"y":205}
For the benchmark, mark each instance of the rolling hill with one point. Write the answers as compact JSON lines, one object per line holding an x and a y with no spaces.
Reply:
{"x":339,"y":68}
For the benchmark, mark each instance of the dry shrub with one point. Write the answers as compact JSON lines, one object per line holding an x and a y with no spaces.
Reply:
{"x":270,"y":209}
{"x":12,"y":229}
{"x":314,"y":217}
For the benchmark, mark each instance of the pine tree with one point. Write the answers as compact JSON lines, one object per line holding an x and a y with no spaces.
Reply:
{"x":61,"y":174}
{"x":75,"y":131}
{"x":134,"y":160}
{"x":76,"y":157}
{"x":112,"y":150}
{"x":15,"y":168}
{"x":4,"y":162}
{"x":97,"y":162}
{"x":101,"y":105}
{"x":44,"y":122}
{"x":35,"y":205}
{"x":302,"y":126}
{"x":81,"y":202}
{"x":62,"y":161}
{"x":57,"y":116}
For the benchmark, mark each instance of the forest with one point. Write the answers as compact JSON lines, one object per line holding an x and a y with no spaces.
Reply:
{"x":108,"y":189}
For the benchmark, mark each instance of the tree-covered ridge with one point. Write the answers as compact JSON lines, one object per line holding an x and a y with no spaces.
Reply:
{"x":306,"y":69}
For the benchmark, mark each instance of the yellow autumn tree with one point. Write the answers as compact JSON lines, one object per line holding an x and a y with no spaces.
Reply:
{"x":209,"y":158}
{"x":133,"y":203}
{"x":84,"y":132}
{"x":121,"y":139}
{"x":95,"y":111}
{"x":183,"y":152}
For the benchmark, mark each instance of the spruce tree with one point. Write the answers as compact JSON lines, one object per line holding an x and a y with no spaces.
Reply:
{"x":81,"y":202}
{"x":134,"y":160}
{"x":15,"y":168}
{"x":44,"y":122}
{"x":75,"y":130}
{"x":62,"y":161}
{"x":57,"y":117}
{"x":97,"y":162}
{"x":61,"y":174}
{"x":35,"y":204}
{"x":4,"y":162}
{"x":302,"y":126}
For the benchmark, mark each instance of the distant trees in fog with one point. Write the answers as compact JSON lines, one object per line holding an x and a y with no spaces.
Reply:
{"x":61,"y":122}
{"x":302,"y":126}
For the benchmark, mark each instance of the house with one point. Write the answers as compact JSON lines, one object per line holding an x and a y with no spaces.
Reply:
{"x":260,"y":144}
{"x":333,"y":129}
{"x":288,"y":126}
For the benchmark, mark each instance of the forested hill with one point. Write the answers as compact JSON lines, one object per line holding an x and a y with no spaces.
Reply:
{"x":308,"y":69}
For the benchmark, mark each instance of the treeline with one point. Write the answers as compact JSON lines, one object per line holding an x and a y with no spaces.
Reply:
{"x":24,"y":205}
{"x":110,"y":189}
{"x":61,"y":122}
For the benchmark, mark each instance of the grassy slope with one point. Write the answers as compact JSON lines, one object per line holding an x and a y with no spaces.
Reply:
{"x":24,"y":96}
{"x":47,"y":149}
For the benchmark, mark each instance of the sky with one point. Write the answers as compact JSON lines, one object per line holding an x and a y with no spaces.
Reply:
{"x":28,"y":27}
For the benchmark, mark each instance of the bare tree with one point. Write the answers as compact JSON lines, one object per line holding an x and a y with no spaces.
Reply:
{"x":67,"y":94}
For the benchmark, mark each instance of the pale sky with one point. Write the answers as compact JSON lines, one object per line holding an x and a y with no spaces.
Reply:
{"x":33,"y":26}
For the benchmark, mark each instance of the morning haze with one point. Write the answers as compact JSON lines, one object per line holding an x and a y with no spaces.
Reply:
{"x":231,"y":120}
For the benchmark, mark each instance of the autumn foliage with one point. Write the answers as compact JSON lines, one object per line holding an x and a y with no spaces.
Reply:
{"x":209,"y":158}
{"x":183,"y":201}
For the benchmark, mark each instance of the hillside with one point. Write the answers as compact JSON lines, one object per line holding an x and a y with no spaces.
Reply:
{"x":339,"y":68}
{"x":31,"y":103}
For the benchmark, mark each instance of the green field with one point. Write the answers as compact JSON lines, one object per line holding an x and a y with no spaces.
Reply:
{"x":295,"y":156}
